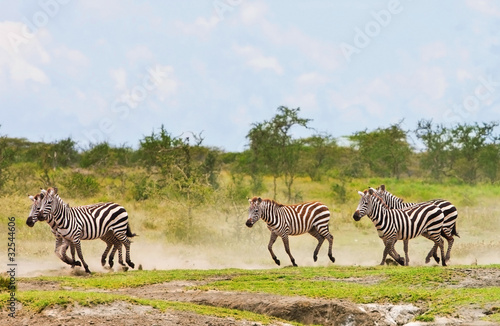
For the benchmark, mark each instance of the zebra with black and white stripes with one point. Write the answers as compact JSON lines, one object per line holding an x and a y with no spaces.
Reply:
{"x":449,"y":223}
{"x":86,"y":222}
{"x":401,"y":224}
{"x":62,"y":245}
{"x":285,"y":220}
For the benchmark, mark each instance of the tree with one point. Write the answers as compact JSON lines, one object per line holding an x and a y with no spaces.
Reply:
{"x":6,"y":158}
{"x":437,"y":157}
{"x":272,"y":145}
{"x":385,"y":151}
{"x":470,"y":141}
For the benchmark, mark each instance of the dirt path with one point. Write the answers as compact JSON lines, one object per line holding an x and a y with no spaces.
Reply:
{"x":299,"y":309}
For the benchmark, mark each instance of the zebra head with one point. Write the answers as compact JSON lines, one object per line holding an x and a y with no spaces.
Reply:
{"x":35,"y":208}
{"x":388,"y":198}
{"x":254,"y":211}
{"x":48,"y":205}
{"x":365,"y":204}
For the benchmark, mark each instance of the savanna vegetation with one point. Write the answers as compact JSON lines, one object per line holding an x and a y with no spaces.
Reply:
{"x":182,"y":194}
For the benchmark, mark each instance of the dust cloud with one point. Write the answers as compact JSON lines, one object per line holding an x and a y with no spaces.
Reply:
{"x":349,"y":249}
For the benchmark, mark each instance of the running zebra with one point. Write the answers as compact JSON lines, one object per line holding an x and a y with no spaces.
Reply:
{"x":62,"y":245}
{"x":86,"y":222}
{"x":449,"y":223}
{"x":425,"y":219}
{"x":284,"y":220}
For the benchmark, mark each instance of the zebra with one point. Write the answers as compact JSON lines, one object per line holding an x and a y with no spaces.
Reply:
{"x":62,"y":245}
{"x":284,"y":220}
{"x":449,"y":223}
{"x":86,"y":222}
{"x":401,"y":224}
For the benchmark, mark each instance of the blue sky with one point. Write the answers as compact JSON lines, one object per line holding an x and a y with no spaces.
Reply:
{"x":117,"y":70}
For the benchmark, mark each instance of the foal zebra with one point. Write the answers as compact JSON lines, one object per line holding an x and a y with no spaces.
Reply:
{"x":449,"y":223}
{"x":284,"y":220}
{"x":61,"y":245}
{"x":401,"y":224}
{"x":86,"y":222}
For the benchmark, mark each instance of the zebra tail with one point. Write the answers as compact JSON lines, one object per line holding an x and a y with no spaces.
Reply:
{"x":454,"y":230}
{"x":129,"y":232}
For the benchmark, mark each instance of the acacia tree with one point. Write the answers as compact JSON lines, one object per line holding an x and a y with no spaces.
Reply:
{"x":385,"y":150}
{"x":437,"y":157}
{"x":272,"y":145}
{"x":470,"y":141}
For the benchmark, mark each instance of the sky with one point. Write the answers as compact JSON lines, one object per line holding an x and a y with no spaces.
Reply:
{"x":118,"y":70}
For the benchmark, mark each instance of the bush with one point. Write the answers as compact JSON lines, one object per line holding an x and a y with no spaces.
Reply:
{"x":81,"y":185}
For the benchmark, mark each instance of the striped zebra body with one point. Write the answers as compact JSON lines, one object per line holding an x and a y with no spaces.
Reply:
{"x":401,"y":224}
{"x":62,"y":244}
{"x":108,"y":220}
{"x":450,"y":212}
{"x":286,"y":220}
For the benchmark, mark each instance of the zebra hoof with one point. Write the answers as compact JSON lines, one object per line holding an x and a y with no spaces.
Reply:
{"x":332,"y":259}
{"x":111,"y":263}
{"x":277,"y":261}
{"x":401,"y":261}
{"x":131,"y":264}
{"x":437,"y":259}
{"x":315,"y":258}
{"x":76,"y":263}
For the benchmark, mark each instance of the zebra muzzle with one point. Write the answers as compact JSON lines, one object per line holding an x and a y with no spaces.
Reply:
{"x":356,"y":216}
{"x":249,"y":223}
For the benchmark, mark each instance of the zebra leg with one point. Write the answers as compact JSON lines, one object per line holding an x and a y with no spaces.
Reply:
{"x":117,"y":246}
{"x":320,"y":238}
{"x":389,"y":250}
{"x":329,"y":237}
{"x":433,"y":251}
{"x":105,"y":253}
{"x":405,"y":248}
{"x":325,"y":233}
{"x":274,"y":236}
{"x":73,"y":262}
{"x":123,"y":239}
{"x":447,"y":233}
{"x":287,"y":249}
{"x":440,"y":243}
{"x":72,"y":251}
{"x":78,"y":247}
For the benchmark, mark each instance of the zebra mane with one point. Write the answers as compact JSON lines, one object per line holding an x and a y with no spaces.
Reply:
{"x":373,"y":193}
{"x":273,"y":202}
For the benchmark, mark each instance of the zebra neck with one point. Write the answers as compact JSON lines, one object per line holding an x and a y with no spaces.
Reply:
{"x":270,"y":212}
{"x":62,"y":215}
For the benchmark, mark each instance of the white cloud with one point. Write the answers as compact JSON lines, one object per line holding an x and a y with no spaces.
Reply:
{"x":201,"y":27}
{"x":487,"y":7}
{"x":120,"y":77}
{"x":252,"y":12}
{"x":167,"y":82}
{"x":21,"y":55}
{"x":311,"y":79}
{"x":140,"y":52}
{"x":254,"y":58}
{"x":433,"y":51}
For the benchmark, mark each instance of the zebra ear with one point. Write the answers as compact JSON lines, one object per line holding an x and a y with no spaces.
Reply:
{"x":31,"y":197}
{"x":371,"y":191}
{"x":360,"y":193}
{"x":260,"y":200}
{"x":43,"y":191}
{"x":382,"y":187}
